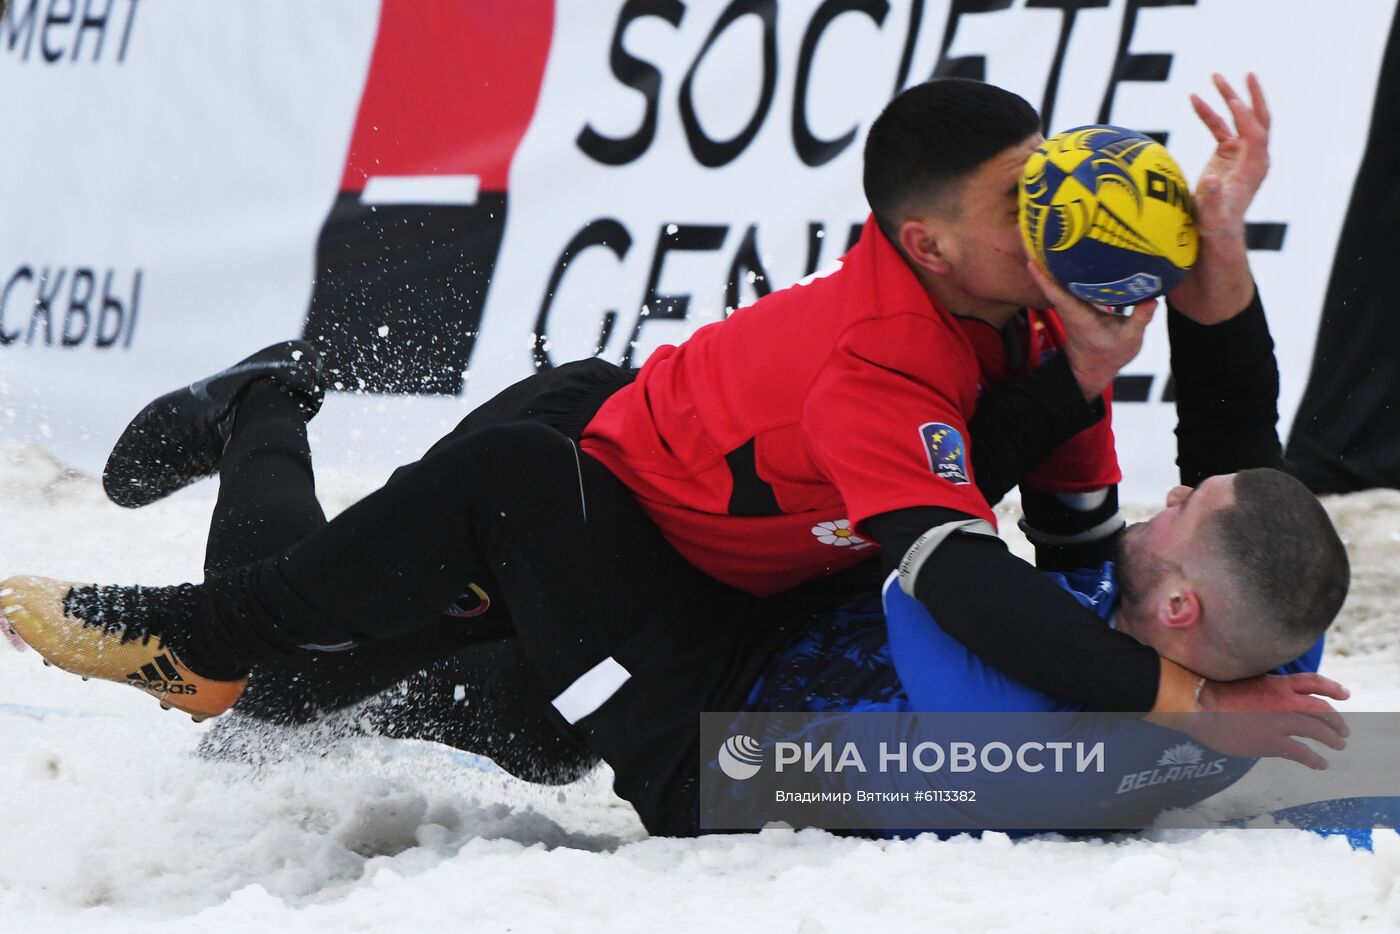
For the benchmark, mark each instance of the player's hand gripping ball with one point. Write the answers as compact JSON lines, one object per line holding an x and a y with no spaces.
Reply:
{"x":1107,"y":212}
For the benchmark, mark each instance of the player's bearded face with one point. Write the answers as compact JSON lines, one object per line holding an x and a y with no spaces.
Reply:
{"x":1146,"y":548}
{"x":1139,"y":570}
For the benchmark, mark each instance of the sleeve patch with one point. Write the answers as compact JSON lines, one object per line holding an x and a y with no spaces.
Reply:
{"x":947,"y":455}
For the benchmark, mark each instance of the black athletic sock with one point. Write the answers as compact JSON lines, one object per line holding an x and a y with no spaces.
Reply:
{"x":176,"y":615}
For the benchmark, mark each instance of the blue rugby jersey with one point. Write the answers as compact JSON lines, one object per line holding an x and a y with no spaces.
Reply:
{"x":889,"y":655}
{"x":886,"y":653}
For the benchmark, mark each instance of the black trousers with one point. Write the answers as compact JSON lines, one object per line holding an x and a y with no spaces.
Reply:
{"x":627,"y":640}
{"x":463,"y":682}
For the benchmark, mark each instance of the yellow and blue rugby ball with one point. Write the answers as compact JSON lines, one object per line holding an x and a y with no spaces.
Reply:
{"x":1107,"y":212}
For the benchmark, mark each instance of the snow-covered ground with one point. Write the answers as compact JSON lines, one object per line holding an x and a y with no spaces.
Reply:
{"x":111,"y":823}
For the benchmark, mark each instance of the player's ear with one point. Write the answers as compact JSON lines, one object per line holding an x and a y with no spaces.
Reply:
{"x":920,"y":240}
{"x":1180,"y":607}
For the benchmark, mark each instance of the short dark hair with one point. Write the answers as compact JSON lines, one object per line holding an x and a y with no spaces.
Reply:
{"x":934,"y":135}
{"x":1280,"y":548}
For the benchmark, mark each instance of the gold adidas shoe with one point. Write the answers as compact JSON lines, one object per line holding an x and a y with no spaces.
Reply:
{"x":32,"y":610}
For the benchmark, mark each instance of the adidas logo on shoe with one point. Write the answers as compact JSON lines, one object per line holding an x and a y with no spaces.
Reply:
{"x":160,"y":676}
{"x":36,"y":612}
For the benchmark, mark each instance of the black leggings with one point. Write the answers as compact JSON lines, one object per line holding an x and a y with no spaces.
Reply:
{"x":281,"y":573}
{"x":267,"y":503}
{"x":464,"y":682}
{"x":517,"y":506}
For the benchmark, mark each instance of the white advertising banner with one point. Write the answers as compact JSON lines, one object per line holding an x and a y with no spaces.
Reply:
{"x":446,"y":196}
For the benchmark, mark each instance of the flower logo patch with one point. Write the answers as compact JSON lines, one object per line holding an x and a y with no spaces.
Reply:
{"x":838,"y":532}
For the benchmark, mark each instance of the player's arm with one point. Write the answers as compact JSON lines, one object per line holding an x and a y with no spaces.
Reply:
{"x":1009,"y":614}
{"x":1021,"y":425}
{"x":1072,"y":530}
{"x":1226,"y":373}
{"x":1219,"y":290}
{"x":1072,"y":522}
{"x":1222,"y":353}
{"x":1227,"y":385}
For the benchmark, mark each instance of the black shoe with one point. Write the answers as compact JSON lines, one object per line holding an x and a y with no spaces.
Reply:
{"x":180,"y":437}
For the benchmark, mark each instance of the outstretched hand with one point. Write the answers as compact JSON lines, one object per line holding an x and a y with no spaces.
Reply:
{"x":1220,"y":286}
{"x":1098,"y":343}
{"x":1264,"y":716}
{"x":1241,"y":160}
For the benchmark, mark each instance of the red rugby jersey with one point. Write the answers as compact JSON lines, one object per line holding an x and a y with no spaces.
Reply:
{"x":760,"y":443}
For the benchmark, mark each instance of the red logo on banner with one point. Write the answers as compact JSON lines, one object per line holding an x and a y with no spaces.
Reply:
{"x":405,"y":256}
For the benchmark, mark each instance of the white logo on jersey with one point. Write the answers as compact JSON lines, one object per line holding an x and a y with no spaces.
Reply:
{"x":1182,"y":754}
{"x":838,"y":532}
